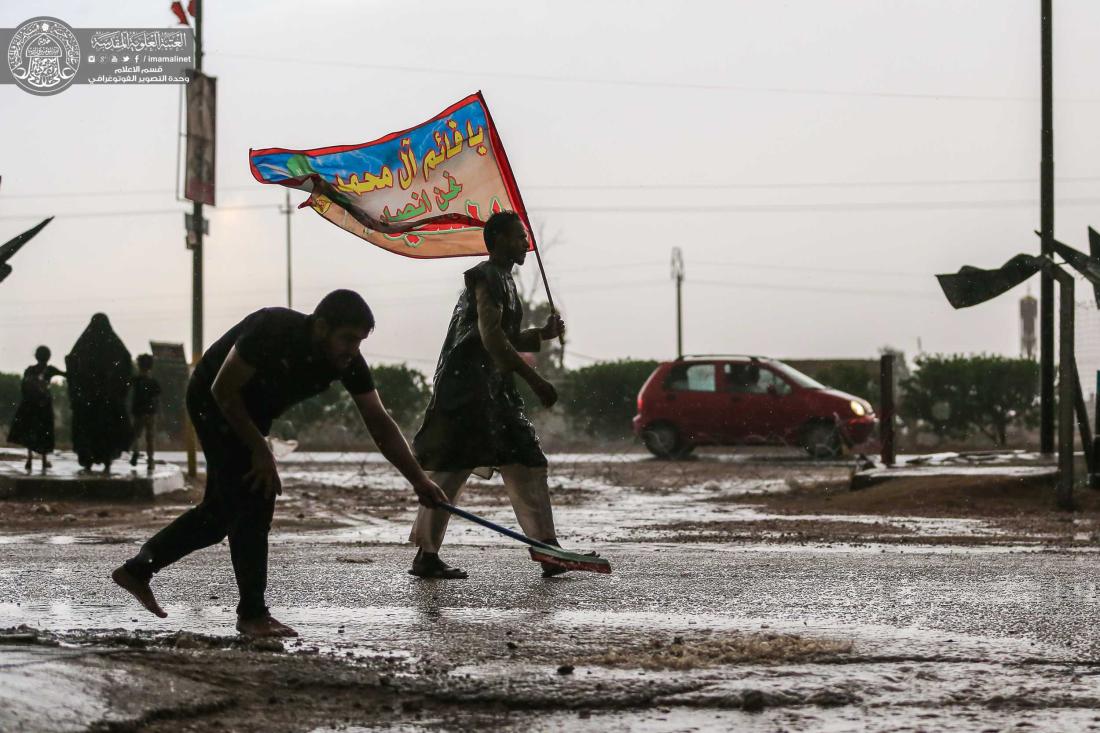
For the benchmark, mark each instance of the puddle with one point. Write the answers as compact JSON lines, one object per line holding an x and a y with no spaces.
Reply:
{"x":64,"y":539}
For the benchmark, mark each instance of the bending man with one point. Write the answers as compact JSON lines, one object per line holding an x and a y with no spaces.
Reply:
{"x":270,"y":361}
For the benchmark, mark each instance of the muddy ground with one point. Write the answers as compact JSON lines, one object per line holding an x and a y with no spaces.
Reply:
{"x":747,"y":594}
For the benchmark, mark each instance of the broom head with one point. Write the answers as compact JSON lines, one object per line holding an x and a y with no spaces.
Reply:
{"x":570,"y":560}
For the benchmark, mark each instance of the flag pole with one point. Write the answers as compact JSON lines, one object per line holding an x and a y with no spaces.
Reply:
{"x":513,"y":189}
{"x":546,"y":285}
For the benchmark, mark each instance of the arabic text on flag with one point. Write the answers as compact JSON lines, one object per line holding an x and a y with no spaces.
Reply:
{"x":423,"y":192}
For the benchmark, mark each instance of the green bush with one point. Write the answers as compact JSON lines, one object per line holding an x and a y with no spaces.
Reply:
{"x":10,"y":395}
{"x":9,"y":398}
{"x":959,"y":395}
{"x":852,"y":379}
{"x":601,"y":399}
{"x":404,"y":392}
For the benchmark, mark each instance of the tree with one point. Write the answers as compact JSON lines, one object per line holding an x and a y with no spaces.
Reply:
{"x":405,"y":392}
{"x":938,"y":394}
{"x":853,"y":379}
{"x":601,"y":399}
{"x":957,"y":395}
{"x":10,"y":392}
{"x":1006,"y":391}
{"x":10,"y":395}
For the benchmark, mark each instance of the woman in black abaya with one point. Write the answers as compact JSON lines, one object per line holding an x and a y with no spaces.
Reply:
{"x":99,"y":372}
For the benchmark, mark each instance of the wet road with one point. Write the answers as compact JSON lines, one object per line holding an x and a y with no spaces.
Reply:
{"x":946,"y":638}
{"x":1020,"y":596}
{"x":964,"y":627}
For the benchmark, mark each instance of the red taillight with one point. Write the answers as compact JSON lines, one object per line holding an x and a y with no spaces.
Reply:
{"x":639,"y":403}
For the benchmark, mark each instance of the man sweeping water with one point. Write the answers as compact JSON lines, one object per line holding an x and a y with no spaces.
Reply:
{"x":270,"y":361}
{"x":476,"y":419}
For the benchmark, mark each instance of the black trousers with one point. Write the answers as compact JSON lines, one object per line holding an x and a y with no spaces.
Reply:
{"x":229,"y":508}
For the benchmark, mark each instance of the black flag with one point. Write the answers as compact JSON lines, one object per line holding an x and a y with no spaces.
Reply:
{"x":11,"y":247}
{"x":973,"y":285}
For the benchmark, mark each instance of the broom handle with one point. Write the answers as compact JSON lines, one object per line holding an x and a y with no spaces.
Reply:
{"x":495,"y":527}
{"x":549,"y":297}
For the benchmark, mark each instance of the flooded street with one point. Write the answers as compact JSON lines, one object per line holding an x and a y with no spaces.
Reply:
{"x":895,"y":623}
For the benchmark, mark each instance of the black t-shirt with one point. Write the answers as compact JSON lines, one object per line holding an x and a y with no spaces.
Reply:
{"x":145,"y":394}
{"x":289,"y":369}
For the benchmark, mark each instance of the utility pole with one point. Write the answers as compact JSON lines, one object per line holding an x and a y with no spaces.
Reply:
{"x":886,"y":412}
{"x":1046,"y":227}
{"x":287,"y":210}
{"x":196,"y":269}
{"x":196,"y":253}
{"x":678,"y":276}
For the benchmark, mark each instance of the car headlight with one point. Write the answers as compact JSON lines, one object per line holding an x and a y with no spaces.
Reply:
{"x":857,"y":409}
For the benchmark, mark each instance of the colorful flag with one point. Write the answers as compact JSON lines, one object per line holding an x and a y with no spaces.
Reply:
{"x":422,"y":192}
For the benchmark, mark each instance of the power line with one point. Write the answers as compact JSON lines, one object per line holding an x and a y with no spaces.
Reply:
{"x":893,"y":293}
{"x":585,"y":357}
{"x":797,"y":184}
{"x":795,"y":208}
{"x":665,"y":209}
{"x":132,"y":212}
{"x":113,"y":192}
{"x":716,"y":186}
{"x":816,"y":289}
{"x":643,"y":84}
{"x":799,"y":268}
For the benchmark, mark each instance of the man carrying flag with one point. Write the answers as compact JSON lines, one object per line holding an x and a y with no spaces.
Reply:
{"x":476,"y":420}
{"x":444,"y":188}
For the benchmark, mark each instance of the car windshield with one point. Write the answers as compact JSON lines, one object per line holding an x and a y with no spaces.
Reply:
{"x":796,"y":376}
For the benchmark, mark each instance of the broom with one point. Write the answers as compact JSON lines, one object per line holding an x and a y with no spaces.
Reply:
{"x":540,"y":551}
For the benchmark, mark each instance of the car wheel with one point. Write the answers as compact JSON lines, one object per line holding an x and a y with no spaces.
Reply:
{"x":663,"y":441}
{"x":822,"y":441}
{"x":684,"y":450}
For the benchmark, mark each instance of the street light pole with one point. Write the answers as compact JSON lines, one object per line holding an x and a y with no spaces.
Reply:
{"x":1046,"y":230}
{"x":196,"y":268}
{"x":678,"y":276}
{"x":196,"y":252}
{"x":287,"y":210}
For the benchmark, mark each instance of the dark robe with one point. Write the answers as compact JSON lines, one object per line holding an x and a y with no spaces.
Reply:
{"x":99,"y":371}
{"x":476,"y":417}
{"x":32,"y":426}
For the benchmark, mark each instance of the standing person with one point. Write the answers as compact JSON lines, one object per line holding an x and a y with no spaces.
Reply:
{"x":476,"y":419}
{"x":270,"y":361}
{"x":144,"y":401}
{"x":100,"y":369}
{"x":32,"y":426}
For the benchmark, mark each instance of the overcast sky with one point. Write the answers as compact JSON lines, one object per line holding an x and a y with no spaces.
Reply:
{"x":817,"y":161}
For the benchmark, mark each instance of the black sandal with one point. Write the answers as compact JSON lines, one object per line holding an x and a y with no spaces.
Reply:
{"x":430,"y":566}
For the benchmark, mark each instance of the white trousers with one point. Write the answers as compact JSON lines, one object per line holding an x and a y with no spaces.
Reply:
{"x":527,"y":491}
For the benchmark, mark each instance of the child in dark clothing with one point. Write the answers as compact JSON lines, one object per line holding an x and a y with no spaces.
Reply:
{"x":33,"y":423}
{"x":145,"y":396}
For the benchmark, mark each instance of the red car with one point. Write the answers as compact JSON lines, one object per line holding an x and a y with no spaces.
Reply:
{"x":743,"y":400}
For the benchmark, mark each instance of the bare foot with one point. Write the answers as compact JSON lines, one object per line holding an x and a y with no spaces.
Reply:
{"x":264,"y":626}
{"x":138,"y":589}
